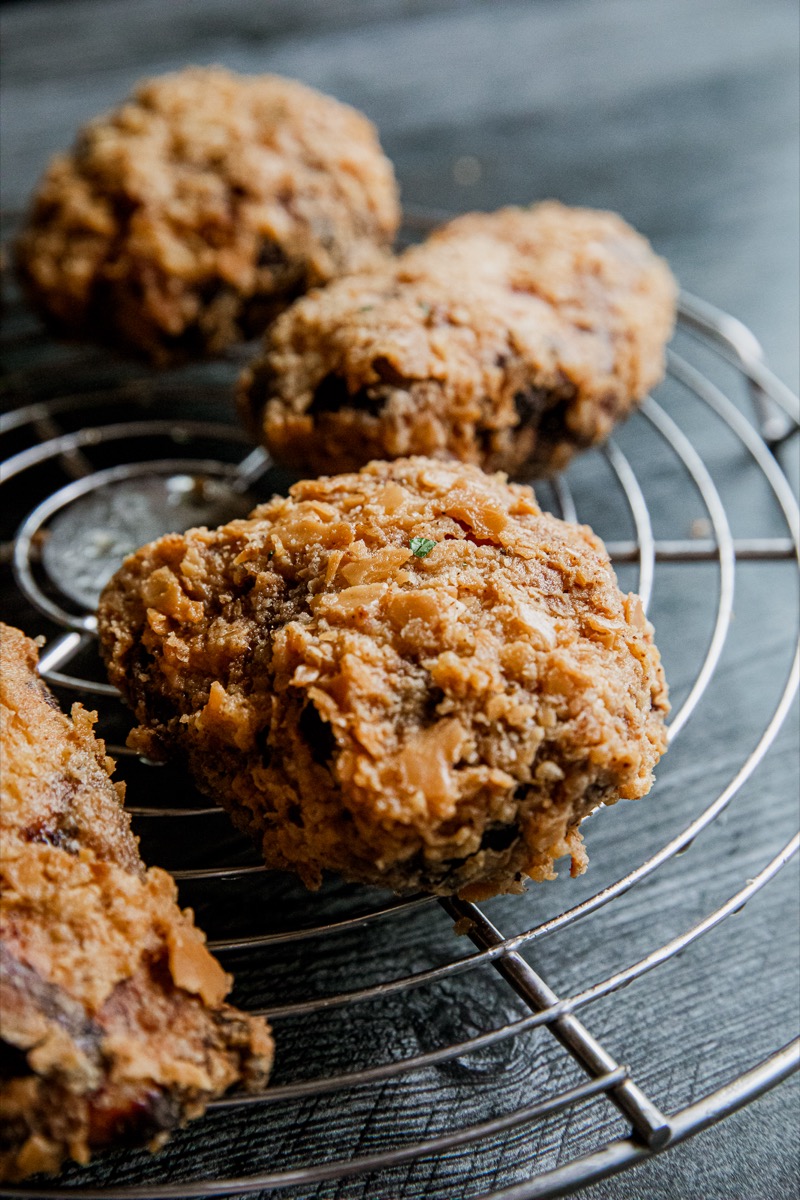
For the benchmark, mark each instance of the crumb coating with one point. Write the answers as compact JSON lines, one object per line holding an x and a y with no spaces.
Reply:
{"x":510,"y":339}
{"x":439,"y":722}
{"x":114,"y":1026}
{"x":183,"y":220}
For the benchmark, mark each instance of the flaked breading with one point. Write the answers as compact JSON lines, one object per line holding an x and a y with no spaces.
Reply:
{"x":510,"y":339}
{"x":433,"y":714}
{"x":181,"y":221}
{"x":114,"y":1026}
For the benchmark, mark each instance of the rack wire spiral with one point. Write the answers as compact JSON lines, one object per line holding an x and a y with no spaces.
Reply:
{"x":120,"y":436}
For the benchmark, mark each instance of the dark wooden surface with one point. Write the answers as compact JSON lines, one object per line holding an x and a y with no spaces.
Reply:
{"x":683,"y":116}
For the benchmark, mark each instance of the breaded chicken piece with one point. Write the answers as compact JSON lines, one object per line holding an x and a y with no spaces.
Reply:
{"x":113,"y":1026}
{"x":410,"y":676}
{"x":509,"y":339}
{"x":187,"y":217}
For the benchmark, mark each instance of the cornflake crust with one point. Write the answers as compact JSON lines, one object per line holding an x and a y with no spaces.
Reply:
{"x":410,"y":676}
{"x":510,"y":339}
{"x":183,"y":220}
{"x":114,"y":1027}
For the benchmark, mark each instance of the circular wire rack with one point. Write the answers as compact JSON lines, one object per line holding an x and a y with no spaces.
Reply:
{"x":90,"y":441}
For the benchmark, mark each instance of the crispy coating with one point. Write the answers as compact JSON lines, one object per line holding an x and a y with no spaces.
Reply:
{"x":419,"y":718}
{"x":509,"y":339}
{"x":184,"y":219}
{"x":114,"y":1027}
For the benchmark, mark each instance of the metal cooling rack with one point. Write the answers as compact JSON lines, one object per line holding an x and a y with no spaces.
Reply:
{"x":58,"y":438}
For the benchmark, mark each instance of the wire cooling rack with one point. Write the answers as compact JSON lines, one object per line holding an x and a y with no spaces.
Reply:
{"x":102,"y":457}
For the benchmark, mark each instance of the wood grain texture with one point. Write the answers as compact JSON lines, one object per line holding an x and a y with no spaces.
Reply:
{"x":682,"y":116}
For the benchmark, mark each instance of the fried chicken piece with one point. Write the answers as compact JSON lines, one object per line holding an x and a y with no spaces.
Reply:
{"x":187,"y":217}
{"x":113,"y":1024}
{"x":410,"y":676}
{"x":509,"y":339}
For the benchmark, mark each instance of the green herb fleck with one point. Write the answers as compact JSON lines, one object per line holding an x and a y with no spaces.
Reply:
{"x":421,"y":546}
{"x":366,"y":308}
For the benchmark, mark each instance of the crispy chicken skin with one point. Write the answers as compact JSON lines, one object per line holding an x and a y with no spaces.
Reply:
{"x":183,"y":220}
{"x":510,"y":339}
{"x":113,"y":1026}
{"x":433,"y":714}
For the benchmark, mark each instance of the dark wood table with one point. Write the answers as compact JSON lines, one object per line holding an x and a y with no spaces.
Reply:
{"x":683,"y":117}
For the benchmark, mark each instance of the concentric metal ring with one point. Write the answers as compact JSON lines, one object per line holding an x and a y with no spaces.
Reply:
{"x":733,"y":343}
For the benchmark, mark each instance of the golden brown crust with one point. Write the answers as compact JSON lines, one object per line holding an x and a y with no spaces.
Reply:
{"x":56,"y":782}
{"x":508,"y":339}
{"x":114,"y":1023}
{"x":181,"y":221}
{"x":440,"y":722}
